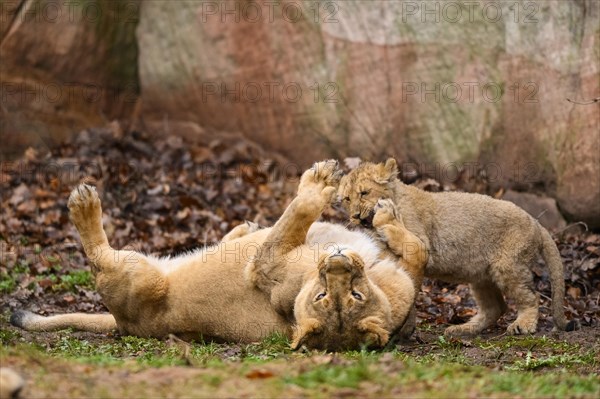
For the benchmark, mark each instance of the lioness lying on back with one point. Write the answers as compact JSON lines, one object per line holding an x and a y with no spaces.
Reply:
{"x":295,"y":286}
{"x":470,"y":238}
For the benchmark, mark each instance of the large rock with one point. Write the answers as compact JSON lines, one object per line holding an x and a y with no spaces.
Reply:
{"x":484,"y":89}
{"x":447,"y":86}
{"x":542,"y":208}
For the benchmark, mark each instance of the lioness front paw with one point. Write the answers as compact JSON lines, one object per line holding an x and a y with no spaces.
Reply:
{"x":385,"y":213}
{"x":85,"y":209}
{"x":322,"y":178}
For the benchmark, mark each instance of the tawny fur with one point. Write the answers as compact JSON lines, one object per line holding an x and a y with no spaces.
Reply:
{"x":206,"y":294}
{"x":469,"y":238}
{"x":11,"y":383}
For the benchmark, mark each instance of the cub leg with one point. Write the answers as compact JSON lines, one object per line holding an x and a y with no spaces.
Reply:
{"x":389,"y":225}
{"x":316,"y":189}
{"x":491,"y":306}
{"x":112,"y":268}
{"x":517,"y":285}
{"x":240,"y":231}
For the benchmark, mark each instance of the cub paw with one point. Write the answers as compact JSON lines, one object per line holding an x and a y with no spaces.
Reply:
{"x":321,"y":175}
{"x":85,"y":209}
{"x":462,"y":330}
{"x":385,"y":212}
{"x":519,"y":327}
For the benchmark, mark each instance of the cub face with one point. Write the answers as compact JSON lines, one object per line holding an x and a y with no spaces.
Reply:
{"x":364,"y":186}
{"x":341,"y":309}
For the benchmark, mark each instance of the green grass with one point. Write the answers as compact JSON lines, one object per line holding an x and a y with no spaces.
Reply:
{"x":318,"y":374}
{"x":148,"y":352}
{"x":73,"y":280}
{"x":532,"y":362}
{"x":340,"y":376}
{"x":7,"y":283}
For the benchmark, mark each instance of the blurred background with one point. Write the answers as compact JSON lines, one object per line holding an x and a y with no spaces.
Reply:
{"x":471,"y":94}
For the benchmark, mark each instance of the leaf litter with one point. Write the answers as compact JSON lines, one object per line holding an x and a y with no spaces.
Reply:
{"x":166,"y":197}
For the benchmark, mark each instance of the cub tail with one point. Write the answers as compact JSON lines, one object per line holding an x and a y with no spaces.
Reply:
{"x":98,"y":323}
{"x":557,"y":278}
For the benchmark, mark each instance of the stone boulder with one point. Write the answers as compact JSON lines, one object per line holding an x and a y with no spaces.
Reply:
{"x":446,"y":86}
{"x":442,"y":86}
{"x":65,"y":66}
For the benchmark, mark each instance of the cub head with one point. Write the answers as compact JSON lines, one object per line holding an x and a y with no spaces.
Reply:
{"x":364,"y":186}
{"x":341,"y":308}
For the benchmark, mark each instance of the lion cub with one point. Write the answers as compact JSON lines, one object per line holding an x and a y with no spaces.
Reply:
{"x":470,"y":238}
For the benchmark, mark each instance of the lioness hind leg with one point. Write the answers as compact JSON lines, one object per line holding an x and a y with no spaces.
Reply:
{"x":241,"y":230}
{"x":85,"y":212}
{"x":491,"y":306}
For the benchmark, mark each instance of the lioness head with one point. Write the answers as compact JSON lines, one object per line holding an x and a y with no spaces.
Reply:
{"x":364,"y":186}
{"x":342,"y":308}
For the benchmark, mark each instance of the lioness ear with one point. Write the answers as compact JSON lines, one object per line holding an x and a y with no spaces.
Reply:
{"x":303,"y":330}
{"x":388,"y":171}
{"x":375,"y":334}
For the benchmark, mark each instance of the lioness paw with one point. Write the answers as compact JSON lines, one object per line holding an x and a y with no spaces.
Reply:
{"x":241,"y":230}
{"x":385,"y":212}
{"x":84,"y":206}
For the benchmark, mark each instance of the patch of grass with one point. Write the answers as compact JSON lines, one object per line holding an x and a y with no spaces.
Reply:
{"x":528,"y":342}
{"x":272,"y":347}
{"x":316,"y":374}
{"x":7,"y":283}
{"x":73,"y":280}
{"x":528,"y":384}
{"x":340,"y":376}
{"x":9,"y":336}
{"x":532,"y":362}
{"x":149,"y":352}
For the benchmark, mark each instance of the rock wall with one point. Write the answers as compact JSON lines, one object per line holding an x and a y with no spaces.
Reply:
{"x":64,"y":66}
{"x":446,"y":86}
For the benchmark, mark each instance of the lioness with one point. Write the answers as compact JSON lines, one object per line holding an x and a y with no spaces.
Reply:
{"x":470,"y":238}
{"x":293,"y":289}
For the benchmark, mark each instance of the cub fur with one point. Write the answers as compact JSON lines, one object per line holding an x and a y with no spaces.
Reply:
{"x":470,"y":238}
{"x":206,"y":294}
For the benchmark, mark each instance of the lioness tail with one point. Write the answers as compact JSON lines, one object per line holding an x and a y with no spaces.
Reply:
{"x":100,"y":323}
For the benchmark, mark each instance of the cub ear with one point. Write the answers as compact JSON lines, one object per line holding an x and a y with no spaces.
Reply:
{"x":388,"y":171}
{"x":375,"y":334}
{"x":303,"y":330}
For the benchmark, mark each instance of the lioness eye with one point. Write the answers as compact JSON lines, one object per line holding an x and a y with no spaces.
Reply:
{"x":364,"y":192}
{"x":357,"y":295}
{"x":320,"y":296}
{"x":346,"y":199}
